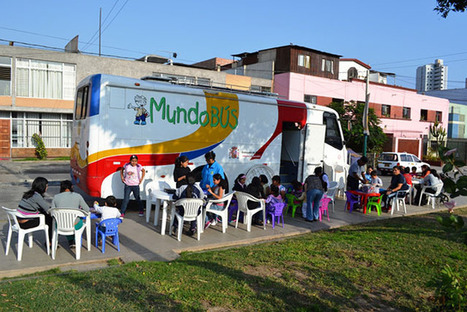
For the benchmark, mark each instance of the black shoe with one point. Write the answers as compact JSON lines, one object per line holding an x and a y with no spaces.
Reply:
{"x":308,"y":220}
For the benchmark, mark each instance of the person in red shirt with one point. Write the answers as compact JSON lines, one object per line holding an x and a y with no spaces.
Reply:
{"x":407,"y":176}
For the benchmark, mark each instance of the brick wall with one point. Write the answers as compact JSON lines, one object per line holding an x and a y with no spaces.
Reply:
{"x":31,"y":152}
{"x":4,"y":138}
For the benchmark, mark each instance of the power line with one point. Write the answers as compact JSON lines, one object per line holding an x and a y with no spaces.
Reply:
{"x":97,"y":31}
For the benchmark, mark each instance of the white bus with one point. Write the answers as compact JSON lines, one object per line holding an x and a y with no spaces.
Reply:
{"x":116,"y":117}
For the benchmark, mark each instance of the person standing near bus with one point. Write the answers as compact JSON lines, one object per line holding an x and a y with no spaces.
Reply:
{"x":181,"y":171}
{"x":212,"y":167}
{"x":356,"y":174}
{"x":132,"y":174}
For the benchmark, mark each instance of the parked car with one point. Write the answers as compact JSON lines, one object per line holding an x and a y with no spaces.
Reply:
{"x":388,"y":160}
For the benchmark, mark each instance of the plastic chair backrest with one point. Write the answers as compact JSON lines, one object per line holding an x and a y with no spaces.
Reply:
{"x":12,"y":217}
{"x":110,"y":226}
{"x":324,"y":201}
{"x":191,"y":206}
{"x":243,"y":199}
{"x":278,"y":209}
{"x":333,"y":185}
{"x":439,"y":189}
{"x":66,"y":217}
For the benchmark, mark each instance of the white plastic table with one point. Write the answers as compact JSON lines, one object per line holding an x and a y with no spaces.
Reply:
{"x":156,"y":198}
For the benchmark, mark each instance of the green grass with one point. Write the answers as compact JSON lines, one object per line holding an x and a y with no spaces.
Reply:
{"x":389,"y":264}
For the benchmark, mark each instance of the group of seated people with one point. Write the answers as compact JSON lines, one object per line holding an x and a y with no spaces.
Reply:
{"x":33,"y":203}
{"x":401,"y":180}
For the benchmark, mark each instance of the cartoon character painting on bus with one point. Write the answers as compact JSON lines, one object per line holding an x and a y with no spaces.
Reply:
{"x":141,"y":112}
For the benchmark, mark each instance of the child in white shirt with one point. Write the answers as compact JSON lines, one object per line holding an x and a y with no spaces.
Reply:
{"x":109,"y":210}
{"x":376,"y":182}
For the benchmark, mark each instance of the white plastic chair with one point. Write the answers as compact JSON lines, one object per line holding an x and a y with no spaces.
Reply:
{"x":224,"y":213}
{"x":399,"y":199}
{"x":12,"y":215}
{"x":243,"y":199}
{"x":431,"y":197}
{"x":331,"y":193}
{"x":64,"y":224}
{"x":191,"y":207}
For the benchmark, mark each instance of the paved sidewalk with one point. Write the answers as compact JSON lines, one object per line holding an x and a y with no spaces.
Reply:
{"x":139,"y":240}
{"x":142,"y":241}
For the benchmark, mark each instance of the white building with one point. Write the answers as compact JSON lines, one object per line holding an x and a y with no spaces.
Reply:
{"x":432,"y":77}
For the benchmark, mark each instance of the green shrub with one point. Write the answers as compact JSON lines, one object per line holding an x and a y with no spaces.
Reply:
{"x":452,"y":291}
{"x":41,"y":151}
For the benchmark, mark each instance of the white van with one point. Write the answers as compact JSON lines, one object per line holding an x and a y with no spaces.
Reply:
{"x":387,"y":161}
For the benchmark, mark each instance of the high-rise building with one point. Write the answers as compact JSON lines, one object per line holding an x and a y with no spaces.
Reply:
{"x":432,"y":77}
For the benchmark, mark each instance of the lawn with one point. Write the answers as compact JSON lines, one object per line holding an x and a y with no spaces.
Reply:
{"x":391,"y":264}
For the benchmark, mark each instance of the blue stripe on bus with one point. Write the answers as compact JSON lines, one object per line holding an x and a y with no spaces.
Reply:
{"x":95,"y":95}
{"x":200,"y":152}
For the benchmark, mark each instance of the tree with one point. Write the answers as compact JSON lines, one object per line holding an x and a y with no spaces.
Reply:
{"x":351,"y":115}
{"x":446,"y":6}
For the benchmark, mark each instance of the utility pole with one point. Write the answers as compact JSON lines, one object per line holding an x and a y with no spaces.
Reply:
{"x":366,"y":129}
{"x":100,"y":24}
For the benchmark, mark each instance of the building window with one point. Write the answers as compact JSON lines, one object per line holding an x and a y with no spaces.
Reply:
{"x":308,"y":98}
{"x":55,"y":129}
{"x":304,"y":60}
{"x":406,"y":112}
{"x":43,"y":79}
{"x":386,"y":110}
{"x":352,"y":73}
{"x":439,"y":116}
{"x":423,"y":115}
{"x":327,"y":66}
{"x":5,"y":75}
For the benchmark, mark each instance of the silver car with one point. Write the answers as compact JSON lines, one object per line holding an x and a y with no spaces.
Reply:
{"x":388,"y":160}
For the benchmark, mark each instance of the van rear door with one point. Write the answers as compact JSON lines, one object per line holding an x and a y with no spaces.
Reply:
{"x":313,"y":148}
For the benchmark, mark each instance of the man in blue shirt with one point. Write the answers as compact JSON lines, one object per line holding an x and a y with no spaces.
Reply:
{"x":209,"y":170}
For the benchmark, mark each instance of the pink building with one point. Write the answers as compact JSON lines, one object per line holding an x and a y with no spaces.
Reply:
{"x":405,"y":115}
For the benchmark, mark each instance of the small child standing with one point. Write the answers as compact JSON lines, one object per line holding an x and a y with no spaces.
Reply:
{"x":376,"y":182}
{"x":109,"y":210}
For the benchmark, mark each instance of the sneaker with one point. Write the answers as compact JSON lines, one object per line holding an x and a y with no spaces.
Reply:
{"x":214,"y":222}
{"x":141,"y":213}
{"x":207,"y":224}
{"x":72,"y":245}
{"x":122,"y":216}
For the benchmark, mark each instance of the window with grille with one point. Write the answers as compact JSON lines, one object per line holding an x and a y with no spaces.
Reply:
{"x":54,"y":129}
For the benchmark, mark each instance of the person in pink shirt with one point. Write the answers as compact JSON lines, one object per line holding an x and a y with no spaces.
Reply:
{"x":132,"y":174}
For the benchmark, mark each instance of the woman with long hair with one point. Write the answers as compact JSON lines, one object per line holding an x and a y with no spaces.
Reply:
{"x":33,"y":203}
{"x":181,"y":171}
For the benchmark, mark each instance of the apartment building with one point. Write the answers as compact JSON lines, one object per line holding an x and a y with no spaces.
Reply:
{"x":432,"y":77}
{"x":312,"y":76}
{"x":37,"y":90}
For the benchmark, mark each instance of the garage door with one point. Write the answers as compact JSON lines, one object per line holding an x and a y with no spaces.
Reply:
{"x":409,"y":146}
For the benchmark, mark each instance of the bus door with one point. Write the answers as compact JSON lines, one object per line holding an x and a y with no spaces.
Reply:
{"x":313,"y":148}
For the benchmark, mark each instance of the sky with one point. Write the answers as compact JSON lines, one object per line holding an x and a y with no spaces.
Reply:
{"x":391,"y":36}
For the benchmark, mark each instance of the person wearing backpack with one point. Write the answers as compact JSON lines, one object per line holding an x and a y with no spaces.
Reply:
{"x":132,"y":174}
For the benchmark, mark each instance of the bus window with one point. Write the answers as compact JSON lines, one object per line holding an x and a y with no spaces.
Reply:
{"x":81,"y":103}
{"x":332,"y":136}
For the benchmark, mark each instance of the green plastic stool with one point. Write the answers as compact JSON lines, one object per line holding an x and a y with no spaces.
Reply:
{"x":374,"y":201}
{"x":292,"y":204}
